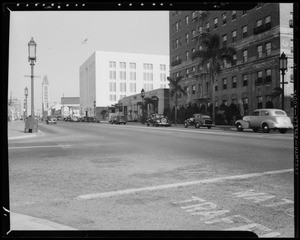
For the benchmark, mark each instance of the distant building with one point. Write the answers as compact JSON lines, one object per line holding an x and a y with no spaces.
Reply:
{"x":15,"y":110}
{"x":70,"y":106}
{"x":156,"y":101}
{"x":107,"y":77}
{"x":45,"y":95}
{"x":259,"y":35}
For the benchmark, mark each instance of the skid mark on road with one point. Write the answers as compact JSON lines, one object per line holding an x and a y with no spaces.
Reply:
{"x":175,"y":185}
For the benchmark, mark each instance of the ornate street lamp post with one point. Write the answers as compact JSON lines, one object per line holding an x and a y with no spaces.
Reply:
{"x":26,"y":94}
{"x":32,"y":58}
{"x":283,"y":68}
{"x":143,"y":95}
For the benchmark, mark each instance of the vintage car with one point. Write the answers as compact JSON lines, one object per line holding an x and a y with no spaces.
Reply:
{"x":265,"y":120}
{"x":51,"y":120}
{"x":199,"y":120}
{"x":118,"y":120}
{"x":158,"y":120}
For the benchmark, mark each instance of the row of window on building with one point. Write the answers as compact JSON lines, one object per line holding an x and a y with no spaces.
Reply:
{"x":147,"y":76}
{"x":146,"y":66}
{"x":132,"y":87}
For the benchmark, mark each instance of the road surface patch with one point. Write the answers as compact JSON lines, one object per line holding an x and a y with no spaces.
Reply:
{"x":46,"y":146}
{"x":175,"y":185}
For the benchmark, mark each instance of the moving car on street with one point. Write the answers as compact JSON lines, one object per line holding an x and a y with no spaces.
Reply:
{"x":199,"y":120}
{"x":265,"y":120}
{"x":51,"y":120}
{"x":158,"y":120}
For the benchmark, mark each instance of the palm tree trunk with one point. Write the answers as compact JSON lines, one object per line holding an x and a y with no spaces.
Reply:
{"x":176,"y":110}
{"x":213,"y":105}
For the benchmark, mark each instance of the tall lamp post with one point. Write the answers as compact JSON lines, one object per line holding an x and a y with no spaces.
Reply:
{"x":26,"y":94}
{"x":143,"y":95}
{"x":32,"y":59}
{"x":283,"y":68}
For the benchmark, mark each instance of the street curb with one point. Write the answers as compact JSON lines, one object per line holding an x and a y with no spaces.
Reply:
{"x":40,"y":133}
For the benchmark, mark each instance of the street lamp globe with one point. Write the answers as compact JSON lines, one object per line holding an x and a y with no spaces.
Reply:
{"x":283,"y":62}
{"x":32,"y":50}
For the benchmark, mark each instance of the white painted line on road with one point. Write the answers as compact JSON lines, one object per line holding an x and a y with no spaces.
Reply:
{"x":175,"y":185}
{"x":53,"y":146}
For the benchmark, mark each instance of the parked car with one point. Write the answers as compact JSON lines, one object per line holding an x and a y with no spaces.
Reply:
{"x":51,"y":120}
{"x":88,"y":119}
{"x":265,"y":120}
{"x":199,"y":120}
{"x":118,"y":120}
{"x":158,"y":120}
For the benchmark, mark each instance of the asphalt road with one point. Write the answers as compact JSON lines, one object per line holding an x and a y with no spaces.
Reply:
{"x":113,"y":177}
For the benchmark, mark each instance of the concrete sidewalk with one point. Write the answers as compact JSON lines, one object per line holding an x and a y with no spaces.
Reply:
{"x":24,"y":222}
{"x":15,"y":130}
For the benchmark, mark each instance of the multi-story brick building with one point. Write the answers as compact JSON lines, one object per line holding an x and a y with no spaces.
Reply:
{"x":259,"y":35}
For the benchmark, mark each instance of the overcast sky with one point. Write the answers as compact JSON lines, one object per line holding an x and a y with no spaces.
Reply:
{"x":60,"y":52}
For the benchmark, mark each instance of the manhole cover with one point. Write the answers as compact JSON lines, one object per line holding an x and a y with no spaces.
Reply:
{"x":105,"y":160}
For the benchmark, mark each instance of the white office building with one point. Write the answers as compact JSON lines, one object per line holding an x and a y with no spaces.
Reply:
{"x":107,"y":77}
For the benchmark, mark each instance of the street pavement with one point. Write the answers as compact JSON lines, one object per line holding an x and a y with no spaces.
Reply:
{"x":25,"y":222}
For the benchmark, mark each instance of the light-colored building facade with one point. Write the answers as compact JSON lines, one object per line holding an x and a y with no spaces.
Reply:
{"x":107,"y":77}
{"x":260,"y":35}
{"x":45,"y":95}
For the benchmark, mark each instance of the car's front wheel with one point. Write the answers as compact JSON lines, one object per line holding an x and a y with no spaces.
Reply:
{"x":185,"y":125}
{"x":265,"y":128}
{"x":197,"y":125}
{"x":282,"y":130}
{"x":239,"y":127}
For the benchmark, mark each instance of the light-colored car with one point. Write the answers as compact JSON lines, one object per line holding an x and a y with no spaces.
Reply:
{"x":51,"y":120}
{"x":265,"y":120}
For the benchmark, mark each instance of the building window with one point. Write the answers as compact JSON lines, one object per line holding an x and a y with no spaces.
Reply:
{"x":224,"y":17}
{"x":233,"y":15}
{"x":216,"y":85}
{"x":187,"y":56}
{"x":224,"y":37}
{"x":244,"y":12}
{"x":259,"y":102}
{"x":245,"y":80}
{"x":268,"y":76}
{"x":187,"y":20}
{"x":163,"y":77}
{"x":122,"y":75}
{"x":112,"y":86}
{"x":176,"y":27}
{"x":112,"y":97}
{"x":224,"y":80}
{"x":112,"y":64}
{"x":292,"y":46}
{"x":234,"y":82}
{"x":186,"y":38}
{"x":193,"y":50}
{"x":233,"y":34}
{"x":259,"y":23}
{"x":207,"y":27}
{"x":234,"y":59}
{"x":112,"y":75}
{"x":132,"y":87}
{"x":245,"y":31}
{"x":216,"y":23}
{"x":259,"y":51}
{"x":245,"y":56}
{"x":259,"y":79}
{"x":132,"y":65}
{"x":193,"y":33}
{"x":162,"y":67}
{"x":122,"y":65}
{"x":268,"y":20}
{"x":122,"y":87}
{"x":132,"y":75}
{"x":194,"y":70}
{"x":193,"y":89}
{"x":268,"y":49}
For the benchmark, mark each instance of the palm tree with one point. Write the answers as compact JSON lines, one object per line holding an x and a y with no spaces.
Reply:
{"x":175,"y":90}
{"x":215,"y":55}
